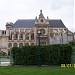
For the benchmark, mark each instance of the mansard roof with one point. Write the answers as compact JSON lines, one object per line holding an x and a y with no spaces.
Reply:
{"x":29,"y":23}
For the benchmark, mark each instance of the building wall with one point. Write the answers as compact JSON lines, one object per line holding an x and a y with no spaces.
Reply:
{"x":55,"y":37}
{"x":28,"y":36}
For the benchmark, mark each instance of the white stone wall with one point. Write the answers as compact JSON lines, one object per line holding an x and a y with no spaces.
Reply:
{"x":65,"y":38}
{"x":58,"y":39}
{"x":70,"y":38}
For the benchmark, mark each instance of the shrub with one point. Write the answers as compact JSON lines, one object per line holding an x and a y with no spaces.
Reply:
{"x":72,"y":43}
{"x":50,"y":54}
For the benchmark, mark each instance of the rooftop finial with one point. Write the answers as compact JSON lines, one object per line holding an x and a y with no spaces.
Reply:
{"x":40,"y":11}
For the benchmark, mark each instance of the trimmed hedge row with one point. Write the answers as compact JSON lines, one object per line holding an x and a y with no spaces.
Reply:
{"x":50,"y":55}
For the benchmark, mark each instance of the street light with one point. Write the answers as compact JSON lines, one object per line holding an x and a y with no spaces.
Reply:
{"x":39,"y":57}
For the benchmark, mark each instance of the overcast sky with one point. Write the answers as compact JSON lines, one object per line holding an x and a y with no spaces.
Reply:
{"x":12,"y":10}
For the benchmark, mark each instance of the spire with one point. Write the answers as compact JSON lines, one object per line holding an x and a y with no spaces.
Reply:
{"x":47,"y":18}
{"x":41,"y":15}
{"x":40,"y":12}
{"x":36,"y":17}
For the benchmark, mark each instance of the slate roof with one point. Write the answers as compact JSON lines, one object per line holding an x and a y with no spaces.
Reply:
{"x":31,"y":23}
{"x":56,"y":24}
{"x":24,"y":23}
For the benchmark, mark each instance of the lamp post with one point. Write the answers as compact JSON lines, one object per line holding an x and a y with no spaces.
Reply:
{"x":39,"y":57}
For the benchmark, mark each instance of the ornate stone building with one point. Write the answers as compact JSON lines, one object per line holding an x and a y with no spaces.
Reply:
{"x":24,"y":32}
{"x":74,"y":35}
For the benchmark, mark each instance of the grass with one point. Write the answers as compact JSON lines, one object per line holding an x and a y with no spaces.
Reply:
{"x":35,"y":70}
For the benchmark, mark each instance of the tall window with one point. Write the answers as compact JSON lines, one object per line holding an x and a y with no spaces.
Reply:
{"x":21,"y":36}
{"x":10,"y":37}
{"x":2,"y":32}
{"x":32,"y":36}
{"x":27,"y":36}
{"x":16,"y":36}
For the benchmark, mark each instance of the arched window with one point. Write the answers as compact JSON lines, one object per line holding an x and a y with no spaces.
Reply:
{"x":26,"y":44}
{"x":15,"y":45}
{"x":32,"y":43}
{"x":42,"y":31}
{"x":32,"y":36}
{"x":10,"y":45}
{"x":20,"y":44}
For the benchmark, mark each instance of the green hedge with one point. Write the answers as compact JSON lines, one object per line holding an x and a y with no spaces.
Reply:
{"x":50,"y":55}
{"x":72,"y":43}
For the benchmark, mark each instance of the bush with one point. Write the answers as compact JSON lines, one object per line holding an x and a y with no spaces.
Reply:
{"x":50,"y":54}
{"x":72,"y":43}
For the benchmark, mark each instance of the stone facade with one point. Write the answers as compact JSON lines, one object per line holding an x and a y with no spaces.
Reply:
{"x":74,"y":35}
{"x":24,"y":33}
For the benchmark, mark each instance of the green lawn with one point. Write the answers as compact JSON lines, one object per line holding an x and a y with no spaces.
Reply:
{"x":35,"y":70}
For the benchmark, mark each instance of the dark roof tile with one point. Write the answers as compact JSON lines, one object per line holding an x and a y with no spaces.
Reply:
{"x":56,"y":24}
{"x":31,"y":23}
{"x":24,"y":24}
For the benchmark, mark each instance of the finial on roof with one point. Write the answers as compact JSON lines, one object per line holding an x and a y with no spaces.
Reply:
{"x":47,"y":18}
{"x":40,"y":11}
{"x":36,"y":17}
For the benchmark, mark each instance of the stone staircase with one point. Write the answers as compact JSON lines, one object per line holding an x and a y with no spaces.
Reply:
{"x":5,"y":62}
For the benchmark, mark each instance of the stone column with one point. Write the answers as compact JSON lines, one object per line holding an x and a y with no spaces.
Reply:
{"x":29,"y":38}
{"x":18,"y":44}
{"x":12,"y":44}
{"x":23,"y":36}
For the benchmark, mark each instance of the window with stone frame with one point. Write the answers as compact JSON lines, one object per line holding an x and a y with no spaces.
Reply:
{"x":16,"y":36}
{"x":10,"y":36}
{"x":32,"y":43}
{"x":20,"y":44}
{"x":21,"y":36}
{"x":15,"y":45}
{"x":2,"y":32}
{"x":27,"y":36}
{"x":32,"y":36}
{"x":10,"y":45}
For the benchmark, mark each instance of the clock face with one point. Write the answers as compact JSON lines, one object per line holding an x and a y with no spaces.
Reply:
{"x":41,"y":20}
